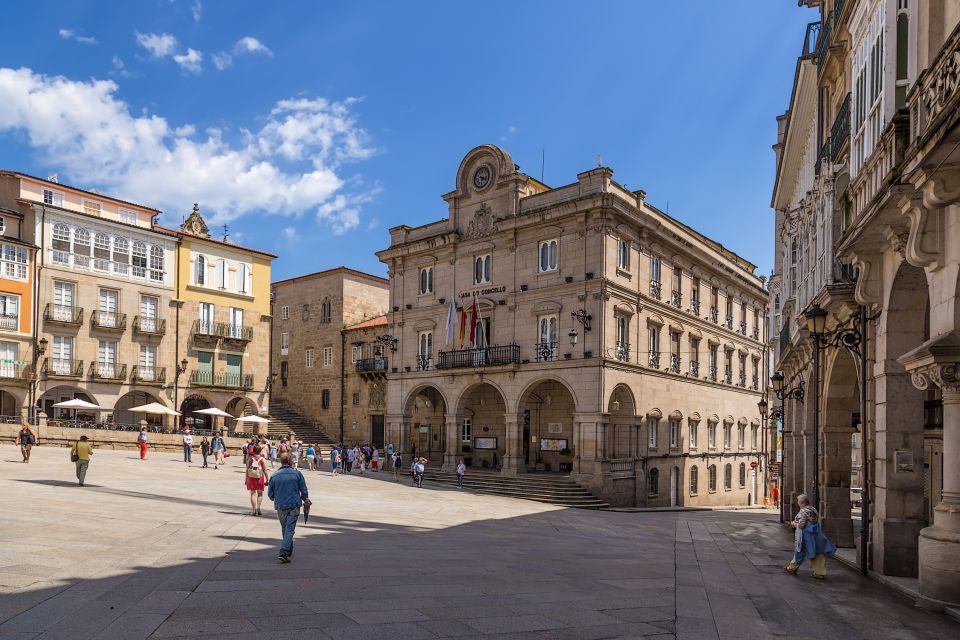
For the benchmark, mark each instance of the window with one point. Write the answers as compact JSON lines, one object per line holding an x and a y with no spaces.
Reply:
{"x":148,"y":363}
{"x":356,"y":398}
{"x":695,"y":296}
{"x":481,"y":269}
{"x":284,"y":343}
{"x":754,"y":431}
{"x":3,"y":225}
{"x":325,"y":398}
{"x":466,"y":430}
{"x":653,"y":425}
{"x":867,"y":90}
{"x":309,"y":355}
{"x":206,"y":318}
{"x":328,"y":356}
{"x":727,"y":435}
{"x":156,"y":263}
{"x":13,"y":262}
{"x":694,"y":357}
{"x":222,"y":272}
{"x":741,"y":436}
{"x":675,"y":352}
{"x":63,"y":355}
{"x":235,"y":329}
{"x":61,"y":243}
{"x":121,"y":256}
{"x":356,"y":353}
{"x":548,"y":256}
{"x":305,"y":312}
{"x":63,"y":301}
{"x":728,"y":316}
{"x":623,"y":338}
{"x":424,"y":350}
{"x":108,"y":300}
{"x":285,"y":312}
{"x":655,"y":269}
{"x":91,"y":208}
{"x":140,"y":259}
{"x":712,"y":435}
{"x":81,"y":248}
{"x":101,"y":252}
{"x":654,"y":346}
{"x":674,"y":433}
{"x":52,"y":197}
{"x":743,"y":475}
{"x":728,"y":367}
{"x":623,"y":254}
{"x":712,"y":478}
{"x":677,"y":283}
{"x":200,"y":277}
{"x":426,"y":280}
{"x":126,"y":216}
{"x":694,"y":434}
{"x":547,"y":336}
{"x":284,"y":372}
{"x":693,"y":480}
{"x":244,"y":278}
{"x":326,"y":310}
{"x":712,"y":363}
{"x":727,"y":477}
{"x":714,"y":303}
{"x":653,"y":482}
{"x":106,"y":359}
{"x":9,"y":312}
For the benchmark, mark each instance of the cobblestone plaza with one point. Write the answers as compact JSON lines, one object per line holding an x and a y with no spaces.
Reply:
{"x":161,"y":549}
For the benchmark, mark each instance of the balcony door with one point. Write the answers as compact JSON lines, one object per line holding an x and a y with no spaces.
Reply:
{"x":108,"y":308}
{"x":8,"y":360}
{"x":234,"y":370}
{"x":148,"y":363}
{"x":63,"y":301}
{"x":236,"y":322}
{"x":205,"y":367}
{"x":547,"y":349}
{"x":149,"y":309}
{"x":62,"y":355}
{"x":206,"y":317}
{"x":107,"y":359}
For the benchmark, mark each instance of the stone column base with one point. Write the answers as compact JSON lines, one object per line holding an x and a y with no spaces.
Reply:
{"x":513,"y":465}
{"x":940,"y":565}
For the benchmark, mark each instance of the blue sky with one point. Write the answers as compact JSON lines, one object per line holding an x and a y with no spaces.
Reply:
{"x":310,"y":128}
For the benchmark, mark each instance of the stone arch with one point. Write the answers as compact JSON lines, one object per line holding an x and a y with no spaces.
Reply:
{"x":56,"y":394}
{"x":239,"y":406}
{"x":485,"y":405}
{"x":410,"y":400}
{"x":137,"y":398}
{"x":621,"y":438}
{"x":424,"y":429}
{"x":11,"y":402}
{"x":840,"y":416}
{"x":545,"y":424}
{"x":189,"y":405}
{"x":502,"y":165}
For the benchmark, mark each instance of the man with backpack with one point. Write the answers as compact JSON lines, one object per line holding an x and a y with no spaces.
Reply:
{"x":26,"y":440}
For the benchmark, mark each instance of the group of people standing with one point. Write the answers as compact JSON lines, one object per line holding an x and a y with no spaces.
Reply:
{"x":359,"y":457}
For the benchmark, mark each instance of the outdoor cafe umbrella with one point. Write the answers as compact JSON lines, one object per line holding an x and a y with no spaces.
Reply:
{"x":76,"y":403}
{"x":251,"y":418}
{"x":154,"y":408}
{"x":213,"y":411}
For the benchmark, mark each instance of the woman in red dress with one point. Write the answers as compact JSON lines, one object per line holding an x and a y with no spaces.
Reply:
{"x":256,"y":479}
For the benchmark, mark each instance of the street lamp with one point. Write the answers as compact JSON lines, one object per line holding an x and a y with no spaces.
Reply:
{"x":39,"y":348}
{"x":573,"y":335}
{"x":270,"y":380}
{"x":389,"y":341}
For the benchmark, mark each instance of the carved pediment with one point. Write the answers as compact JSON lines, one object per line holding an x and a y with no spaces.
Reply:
{"x":482,"y":224}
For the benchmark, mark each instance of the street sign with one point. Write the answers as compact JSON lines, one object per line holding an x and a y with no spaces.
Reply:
{"x":753,"y":465}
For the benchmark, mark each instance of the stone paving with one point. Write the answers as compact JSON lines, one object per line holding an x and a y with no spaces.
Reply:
{"x":161,"y":549}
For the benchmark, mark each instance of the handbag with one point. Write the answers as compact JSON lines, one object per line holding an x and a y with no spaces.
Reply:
{"x":73,"y":454}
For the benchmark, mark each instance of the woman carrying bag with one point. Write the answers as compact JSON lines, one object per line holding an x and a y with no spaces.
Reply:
{"x":256,"y":479}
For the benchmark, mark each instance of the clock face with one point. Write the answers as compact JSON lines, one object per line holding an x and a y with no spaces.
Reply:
{"x":482,"y":177}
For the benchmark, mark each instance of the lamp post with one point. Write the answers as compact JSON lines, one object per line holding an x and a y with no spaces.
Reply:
{"x":783,"y":391}
{"x":181,"y":368}
{"x":584,"y":318}
{"x":39,"y":348}
{"x":852,"y":339}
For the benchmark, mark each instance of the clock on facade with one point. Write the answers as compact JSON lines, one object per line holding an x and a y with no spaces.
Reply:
{"x":481,"y":178}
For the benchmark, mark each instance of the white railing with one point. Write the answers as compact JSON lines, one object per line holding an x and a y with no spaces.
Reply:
{"x":102,"y":265}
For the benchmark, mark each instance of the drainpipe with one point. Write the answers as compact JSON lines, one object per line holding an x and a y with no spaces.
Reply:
{"x":343,"y":374}
{"x":176,"y":344}
{"x":35,"y":332}
{"x":865,"y":451}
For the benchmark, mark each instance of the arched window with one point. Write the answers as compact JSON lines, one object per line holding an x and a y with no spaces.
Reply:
{"x":743,"y":475}
{"x":156,"y":263}
{"x":121,"y":256}
{"x":61,"y":243}
{"x":200,"y":277}
{"x":101,"y":252}
{"x":548,"y":255}
{"x":727,"y":476}
{"x":326,"y":310}
{"x":653,"y":482}
{"x":712,"y":477}
{"x":140,"y":259}
{"x":694,"y":480}
{"x":81,"y":248}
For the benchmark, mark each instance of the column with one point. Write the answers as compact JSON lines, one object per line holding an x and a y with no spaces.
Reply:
{"x":452,"y":446}
{"x":835,"y":469}
{"x":513,"y":462}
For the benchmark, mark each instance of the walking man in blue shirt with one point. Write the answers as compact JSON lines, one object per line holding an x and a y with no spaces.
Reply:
{"x":288,"y":490}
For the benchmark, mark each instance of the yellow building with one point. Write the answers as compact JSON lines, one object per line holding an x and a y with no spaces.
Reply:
{"x":223,"y":326}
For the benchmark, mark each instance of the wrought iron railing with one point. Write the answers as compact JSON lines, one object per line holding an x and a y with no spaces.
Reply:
{"x":676,"y":298}
{"x":654,"y":359}
{"x":823,"y":155}
{"x":675,"y":362}
{"x":695,"y":306}
{"x":840,"y":131}
{"x":11,"y":371}
{"x":713,"y":374}
{"x":823,"y":42}
{"x":756,"y":333}
{"x":108,"y":371}
{"x":743,"y":380}
{"x":9,"y":323}
{"x":743,"y":328}
{"x":204,"y":328}
{"x":481,"y":357}
{"x":694,"y":368}
{"x":424,"y":362}
{"x":223,"y":380}
{"x":63,"y":367}
{"x":655,"y":288}
{"x":235,"y":331}
{"x":728,"y":322}
{"x":714,"y":315}
{"x":108,"y":320}
{"x":371,"y":365}
{"x":148,"y":374}
{"x":149,"y":324}
{"x":63,"y":314}
{"x":728,"y":375}
{"x":755,"y":383}
{"x":784,"y":336}
{"x":546,"y":351}
{"x":810,"y":38}
{"x":622,"y":351}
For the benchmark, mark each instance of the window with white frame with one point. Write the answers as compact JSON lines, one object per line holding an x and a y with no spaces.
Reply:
{"x":653,"y":426}
{"x":244,"y":278}
{"x":424,"y":350}
{"x":328,"y":356}
{"x":222,"y":273}
{"x":81,"y":248}
{"x":9,"y":312}
{"x":741,"y":436}
{"x":309,"y":358}
{"x":91,"y":207}
{"x":284,"y":343}
{"x":53,"y":197}
{"x":674,"y":433}
{"x":126,"y":216}
{"x":156,"y":263}
{"x":3,"y":225}
{"x":481,"y":269}
{"x":466,"y":430}
{"x":139,"y":260}
{"x":13,"y":262}
{"x":867,"y":88}
{"x":712,"y":435}
{"x":727,"y":435}
{"x":101,"y":252}
{"x":547,"y":328}
{"x":200,"y":272}
{"x":206,"y":319}
{"x":285,"y":312}
{"x":63,"y":355}
{"x":754,"y":433}
{"x":426,"y":280}
{"x":121,"y":256}
{"x":694,"y":433}
{"x":148,"y":363}
{"x":623,"y":254}
{"x":356,"y":353}
{"x":548,"y":255}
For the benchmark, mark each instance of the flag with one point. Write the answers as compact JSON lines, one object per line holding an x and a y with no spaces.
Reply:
{"x":474,"y":316}
{"x":451,"y":309}
{"x":463,"y":324}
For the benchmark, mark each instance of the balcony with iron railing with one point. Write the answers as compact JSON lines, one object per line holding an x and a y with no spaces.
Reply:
{"x":756,"y":333}
{"x":676,"y":298}
{"x":108,"y":320}
{"x":675,"y":362}
{"x":622,"y":351}
{"x":714,"y":315}
{"x":742,"y":329}
{"x":479,"y":357}
{"x":728,"y":375}
{"x":823,"y":155}
{"x":810,"y":38}
{"x":742,"y":381}
{"x":695,"y":306}
{"x":840,"y":131}
{"x":62,"y":368}
{"x":148,"y":375}
{"x":655,"y":289}
{"x":546,"y":351}
{"x":16,"y":374}
{"x":823,"y":42}
{"x":236,"y":332}
{"x":200,"y":378}
{"x":694,"y":368}
{"x":149,"y":325}
{"x":424,"y":362}
{"x":371,"y":365}
{"x":654,"y":359}
{"x":712,"y":374}
{"x":204,"y":330}
{"x":728,"y":322}
{"x":9,"y":323}
{"x":108,"y":371}
{"x":755,"y":383}
{"x":63,"y":314}
{"x":784,"y":338}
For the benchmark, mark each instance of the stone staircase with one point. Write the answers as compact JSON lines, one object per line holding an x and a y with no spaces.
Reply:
{"x":550,"y":488}
{"x":285,"y":420}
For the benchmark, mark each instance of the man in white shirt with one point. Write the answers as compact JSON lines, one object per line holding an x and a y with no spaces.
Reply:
{"x":461,"y":469}
{"x":187,"y":444}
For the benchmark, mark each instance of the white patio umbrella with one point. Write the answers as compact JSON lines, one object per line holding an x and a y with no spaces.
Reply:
{"x":253,"y":419}
{"x":213,"y":411}
{"x":75,"y":404}
{"x":154,"y":408}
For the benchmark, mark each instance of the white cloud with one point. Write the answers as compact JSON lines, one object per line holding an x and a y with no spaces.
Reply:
{"x":120,"y":68}
{"x":159,"y":45}
{"x":291,"y":166}
{"x":197,"y":10}
{"x":191,"y":61}
{"x":222,"y":60}
{"x":290,"y":233}
{"x":249,"y":44}
{"x":70,"y":34}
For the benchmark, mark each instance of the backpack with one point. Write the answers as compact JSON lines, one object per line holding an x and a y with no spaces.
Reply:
{"x":420,"y":468}
{"x":255,"y":470}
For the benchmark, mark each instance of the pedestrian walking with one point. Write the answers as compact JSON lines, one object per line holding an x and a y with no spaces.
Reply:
{"x":26,"y":440}
{"x":311,"y":454}
{"x":809,"y":541}
{"x":288,"y":490}
{"x":375,"y":463}
{"x":80,"y":454}
{"x":361,"y":460}
{"x":317,"y":456}
{"x":351,"y":459}
{"x":256,"y":479}
{"x":335,"y":461}
{"x":295,"y":454}
{"x":397,"y":465}
{"x":273,"y":453}
{"x":420,"y":468}
{"x":218,"y":447}
{"x":461,"y":469}
{"x":187,"y":444}
{"x":205,"y":450}
{"x":142,"y":443}
{"x":776,"y":496}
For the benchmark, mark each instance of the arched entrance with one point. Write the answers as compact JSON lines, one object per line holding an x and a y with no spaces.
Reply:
{"x":622,"y":433}
{"x":240,"y":407}
{"x":9,"y":407}
{"x":425,"y":430}
{"x":123,"y":416}
{"x":189,"y":417}
{"x":546,"y":427}
{"x":841,"y":442}
{"x":482,"y":407}
{"x":61,"y":394}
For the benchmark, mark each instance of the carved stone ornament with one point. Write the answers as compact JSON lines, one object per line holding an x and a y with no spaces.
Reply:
{"x":194,"y":223}
{"x":942,"y":82}
{"x":378,"y":394}
{"x":945,"y":376}
{"x":482,"y":224}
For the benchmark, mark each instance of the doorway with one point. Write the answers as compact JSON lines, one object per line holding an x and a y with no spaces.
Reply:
{"x":376,"y":431}
{"x":674,"y":487}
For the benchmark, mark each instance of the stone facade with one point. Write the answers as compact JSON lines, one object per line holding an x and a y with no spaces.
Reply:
{"x":867,"y":205}
{"x":669,"y":339}
{"x":313,"y":348}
